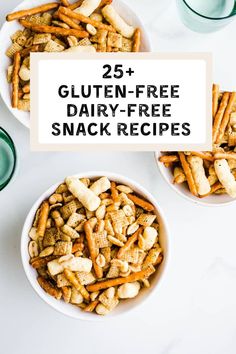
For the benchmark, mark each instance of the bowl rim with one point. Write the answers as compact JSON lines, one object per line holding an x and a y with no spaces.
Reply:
{"x":177,"y":190}
{"x":93,"y":174}
{"x":24,"y":117}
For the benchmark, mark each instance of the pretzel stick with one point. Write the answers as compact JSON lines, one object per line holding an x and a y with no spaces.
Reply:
{"x":131,"y":240}
{"x":226,"y":117}
{"x":82,"y":18}
{"x":69,"y":21}
{"x":25,"y":52}
{"x":43,"y":217}
{"x":75,"y":5}
{"x":203,"y":155}
{"x":70,"y":276}
{"x":36,"y":10}
{"x":214,"y":188}
{"x":122,"y":280}
{"x":215,"y":99}
{"x":15,"y":79}
{"x":91,"y":307}
{"x":188,"y":174}
{"x":93,"y":250}
{"x":136,"y":40}
{"x":225,"y":155}
{"x":55,"y":30}
{"x":168,"y":158}
{"x":49,"y":288}
{"x":219,"y":115}
{"x":141,"y":202}
{"x":114,"y":191}
{"x":65,"y":3}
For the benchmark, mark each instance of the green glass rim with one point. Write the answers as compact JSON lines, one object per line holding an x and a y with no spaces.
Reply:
{"x":233,"y":13}
{"x":6,"y":137}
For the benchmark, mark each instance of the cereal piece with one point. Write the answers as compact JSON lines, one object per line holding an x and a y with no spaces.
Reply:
{"x":53,"y":46}
{"x":132,"y":239}
{"x":87,"y":7}
{"x":118,"y":281}
{"x":62,"y":188}
{"x":36,"y":10}
{"x":100,"y":36}
{"x":86,"y":196}
{"x":152,"y":257}
{"x":115,"y":40}
{"x":113,"y":272}
{"x":62,"y":248}
{"x":75,"y":219}
{"x":106,"y":251}
{"x":40,"y":38}
{"x":24,"y":73}
{"x":198,"y":172}
{"x":146,"y":219}
{"x":225,"y":177}
{"x":24,"y":105}
{"x":66,"y":293}
{"x":117,"y":22}
{"x":33,"y":249}
{"x":69,"y":231}
{"x":51,"y":236}
{"x":16,"y":35}
{"x":122,"y":265}
{"x":110,"y":302}
{"x":76,"y":297}
{"x":74,"y":281}
{"x":21,"y":40}
{"x":68,"y":209}
{"x":47,"y":251}
{"x":131,"y":255}
{"x":14,"y":48}
{"x":85,"y":278}
{"x":147,"y":240}
{"x":84,"y":42}
{"x":43,"y":216}
{"x":49,"y":288}
{"x":126,"y":45}
{"x":128,"y":290}
{"x":62,"y":281}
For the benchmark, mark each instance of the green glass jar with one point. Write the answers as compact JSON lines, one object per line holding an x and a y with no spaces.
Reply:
{"x":206,"y":15}
{"x":8,"y":158}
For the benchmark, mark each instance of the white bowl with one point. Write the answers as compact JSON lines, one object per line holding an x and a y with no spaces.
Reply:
{"x":124,"y":306}
{"x":182,"y":189}
{"x":11,"y":27}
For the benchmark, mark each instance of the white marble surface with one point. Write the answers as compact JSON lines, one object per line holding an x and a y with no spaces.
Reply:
{"x":195,"y":309}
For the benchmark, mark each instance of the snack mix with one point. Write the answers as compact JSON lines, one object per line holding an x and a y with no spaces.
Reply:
{"x":212,"y":172}
{"x":94,"y":243}
{"x":84,"y":26}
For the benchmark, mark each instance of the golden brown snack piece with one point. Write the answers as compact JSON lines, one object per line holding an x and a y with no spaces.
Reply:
{"x":168,"y":158}
{"x":118,"y":281}
{"x":226,"y":117}
{"x":215,"y":99}
{"x":25,"y":52}
{"x":84,"y":19}
{"x":43,"y":216}
{"x":136,"y":40}
{"x":188,"y":174}
{"x":201,"y":182}
{"x":15,"y":79}
{"x":69,"y":21}
{"x":91,"y":306}
{"x":131,"y":240}
{"x":36,"y":10}
{"x":141,"y":202}
{"x":54,"y":30}
{"x":49,"y":288}
{"x":219,"y":115}
{"x":70,"y":276}
{"x":92,"y":249}
{"x":65,"y":3}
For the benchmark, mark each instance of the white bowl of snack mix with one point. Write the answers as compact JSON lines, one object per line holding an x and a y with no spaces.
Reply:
{"x":207,"y":178}
{"x":95,"y":244}
{"x":36,"y":26}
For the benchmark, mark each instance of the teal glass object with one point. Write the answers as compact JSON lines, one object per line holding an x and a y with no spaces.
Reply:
{"x":8,"y":158}
{"x":206,"y":15}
